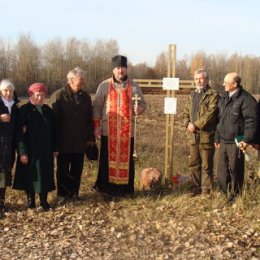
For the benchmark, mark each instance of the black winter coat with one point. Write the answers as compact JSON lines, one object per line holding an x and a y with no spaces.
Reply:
{"x":258,"y":131}
{"x":73,"y":119}
{"x":36,"y":138}
{"x":237,"y":116}
{"x":7,"y":144}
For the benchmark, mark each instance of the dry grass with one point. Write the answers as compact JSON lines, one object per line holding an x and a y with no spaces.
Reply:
{"x":159,"y":225}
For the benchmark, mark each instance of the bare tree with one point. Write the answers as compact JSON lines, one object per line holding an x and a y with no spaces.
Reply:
{"x":54,"y":66}
{"x":27,"y":62}
{"x":160,"y":69}
{"x":250,"y":73}
{"x":6,"y":59}
{"x":217,"y":67}
{"x":234,"y":63}
{"x":197,"y":61}
{"x":183,"y":69}
{"x":100,"y":63}
{"x":73,"y":56}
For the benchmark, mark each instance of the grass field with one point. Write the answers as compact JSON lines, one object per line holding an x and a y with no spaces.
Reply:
{"x":166,"y":224}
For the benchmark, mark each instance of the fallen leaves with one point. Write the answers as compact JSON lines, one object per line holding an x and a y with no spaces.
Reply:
{"x":174,"y":227}
{"x":149,"y":226}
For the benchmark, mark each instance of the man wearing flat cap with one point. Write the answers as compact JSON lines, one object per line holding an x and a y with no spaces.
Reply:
{"x":114,"y":110}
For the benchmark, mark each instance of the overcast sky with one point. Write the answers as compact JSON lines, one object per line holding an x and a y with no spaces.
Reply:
{"x":142,"y":28}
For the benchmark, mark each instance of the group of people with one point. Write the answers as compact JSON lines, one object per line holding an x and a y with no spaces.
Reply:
{"x":66,"y":128}
{"x":30,"y":131}
{"x":228,"y":122}
{"x":71,"y":123}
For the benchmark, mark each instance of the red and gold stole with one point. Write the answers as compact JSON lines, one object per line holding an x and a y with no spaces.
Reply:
{"x":119,"y":133}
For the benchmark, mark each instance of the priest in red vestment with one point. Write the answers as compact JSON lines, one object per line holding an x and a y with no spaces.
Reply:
{"x":113,"y":112}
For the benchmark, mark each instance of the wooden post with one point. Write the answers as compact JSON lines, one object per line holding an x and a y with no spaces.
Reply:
{"x":168,"y":171}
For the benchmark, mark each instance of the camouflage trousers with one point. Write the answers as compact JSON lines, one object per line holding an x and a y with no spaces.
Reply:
{"x":201,"y":166}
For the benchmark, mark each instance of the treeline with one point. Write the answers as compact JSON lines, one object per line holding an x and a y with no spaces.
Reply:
{"x":25,"y":62}
{"x":218,"y":66}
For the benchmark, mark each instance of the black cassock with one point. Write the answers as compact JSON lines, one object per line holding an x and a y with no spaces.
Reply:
{"x":102,"y":184}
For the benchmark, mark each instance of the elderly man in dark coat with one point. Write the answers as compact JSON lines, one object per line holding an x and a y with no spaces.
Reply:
{"x":72,"y":108}
{"x":237,"y":124}
{"x":36,"y":147}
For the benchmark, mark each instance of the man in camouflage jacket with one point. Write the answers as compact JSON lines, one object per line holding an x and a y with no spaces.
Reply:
{"x":200,"y":120}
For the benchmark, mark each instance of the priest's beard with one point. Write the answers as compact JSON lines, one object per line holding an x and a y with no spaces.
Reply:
{"x":120,"y":78}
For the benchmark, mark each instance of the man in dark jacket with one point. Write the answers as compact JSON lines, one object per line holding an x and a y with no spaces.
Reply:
{"x":258,"y":131}
{"x":200,"y":120}
{"x":73,"y":112}
{"x":235,"y":131}
{"x":256,"y":145}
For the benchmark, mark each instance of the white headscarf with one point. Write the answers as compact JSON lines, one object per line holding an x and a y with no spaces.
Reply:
{"x":3,"y":84}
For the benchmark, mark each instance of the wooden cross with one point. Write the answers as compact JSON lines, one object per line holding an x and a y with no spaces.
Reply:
{"x":136,"y":98}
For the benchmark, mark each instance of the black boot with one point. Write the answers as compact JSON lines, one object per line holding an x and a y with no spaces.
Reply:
{"x":2,"y":198}
{"x":30,"y":200}
{"x":2,"y":202}
{"x":43,"y":201}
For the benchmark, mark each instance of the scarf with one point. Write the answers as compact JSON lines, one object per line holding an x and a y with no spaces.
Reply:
{"x":8,"y":104}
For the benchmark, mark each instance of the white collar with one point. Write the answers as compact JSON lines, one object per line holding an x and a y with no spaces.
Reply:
{"x":8,"y":104}
{"x":231,"y":93}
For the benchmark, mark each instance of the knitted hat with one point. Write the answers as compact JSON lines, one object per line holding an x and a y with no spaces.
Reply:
{"x":37,"y":87}
{"x":119,"y":61}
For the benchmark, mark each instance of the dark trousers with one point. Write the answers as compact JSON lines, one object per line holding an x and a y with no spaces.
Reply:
{"x":201,"y":166}
{"x":102,"y":183}
{"x":2,"y":197}
{"x":69,"y":170}
{"x":230,"y":173}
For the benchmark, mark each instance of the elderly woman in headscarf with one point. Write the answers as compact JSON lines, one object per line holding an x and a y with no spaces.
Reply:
{"x":8,"y":111}
{"x":36,"y":148}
